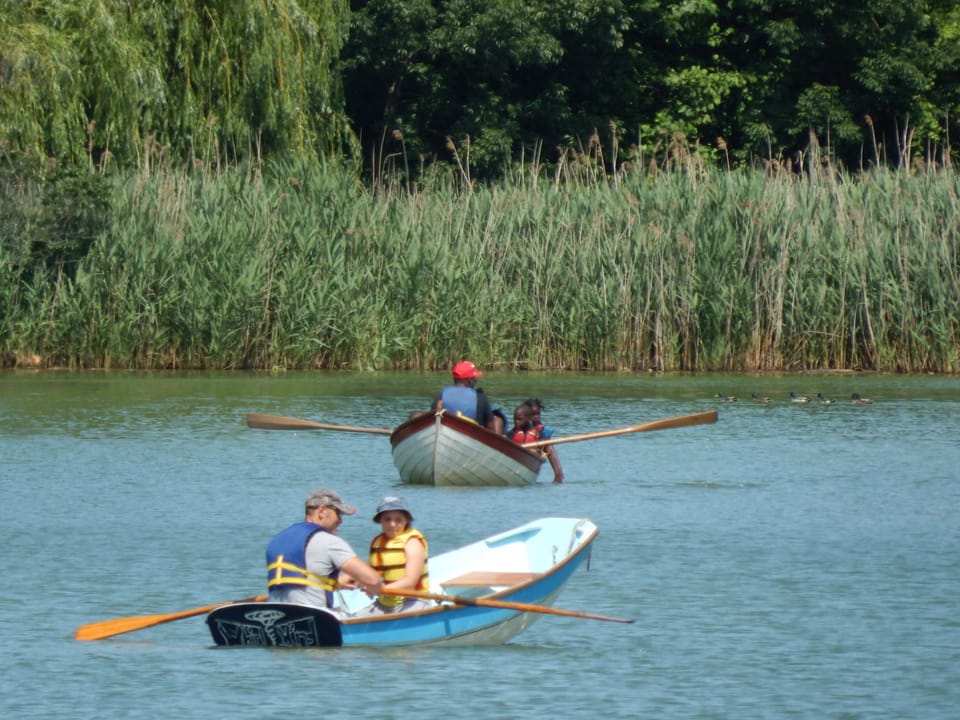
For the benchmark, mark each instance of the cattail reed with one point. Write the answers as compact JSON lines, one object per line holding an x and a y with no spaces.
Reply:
{"x":671,"y":267}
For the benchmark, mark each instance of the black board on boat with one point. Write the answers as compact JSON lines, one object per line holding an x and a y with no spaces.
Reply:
{"x":285,"y":625}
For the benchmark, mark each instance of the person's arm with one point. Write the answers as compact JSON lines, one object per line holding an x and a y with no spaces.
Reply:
{"x":555,"y":464}
{"x":363,"y":575}
{"x":486,"y":416}
{"x":546,"y":433}
{"x":499,"y":422}
{"x":484,"y":413}
{"x":416,"y":558}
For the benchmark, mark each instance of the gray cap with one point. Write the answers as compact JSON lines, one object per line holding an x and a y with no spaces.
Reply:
{"x":324,"y":496}
{"x":392,"y":502}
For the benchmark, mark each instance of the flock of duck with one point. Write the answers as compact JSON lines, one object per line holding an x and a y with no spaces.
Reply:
{"x":855,"y":398}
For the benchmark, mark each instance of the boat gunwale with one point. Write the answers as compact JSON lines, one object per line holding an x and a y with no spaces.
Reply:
{"x":568,"y":558}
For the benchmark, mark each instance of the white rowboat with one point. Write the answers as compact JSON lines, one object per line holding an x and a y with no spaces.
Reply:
{"x":443,"y":449}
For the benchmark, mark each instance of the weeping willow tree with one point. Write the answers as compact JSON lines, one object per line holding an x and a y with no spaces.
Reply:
{"x":196,"y":80}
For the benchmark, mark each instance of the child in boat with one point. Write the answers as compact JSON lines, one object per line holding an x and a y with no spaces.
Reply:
{"x":524,"y":429}
{"x":399,"y":553}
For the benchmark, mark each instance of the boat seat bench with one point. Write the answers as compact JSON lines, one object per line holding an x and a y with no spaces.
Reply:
{"x":485,"y":578}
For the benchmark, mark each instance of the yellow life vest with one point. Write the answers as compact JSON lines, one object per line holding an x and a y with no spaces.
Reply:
{"x":389,"y":558}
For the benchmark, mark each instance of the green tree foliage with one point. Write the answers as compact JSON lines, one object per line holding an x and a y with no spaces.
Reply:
{"x":477,"y":83}
{"x":874,"y":78}
{"x":871,"y":66}
{"x":296,"y":264}
{"x":470,"y":79}
{"x":192,"y":79}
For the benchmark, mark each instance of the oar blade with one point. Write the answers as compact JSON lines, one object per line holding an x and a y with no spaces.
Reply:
{"x":261,"y":421}
{"x":108,"y":628}
{"x":704,"y":418}
{"x":506,"y":605}
{"x":529,"y":607}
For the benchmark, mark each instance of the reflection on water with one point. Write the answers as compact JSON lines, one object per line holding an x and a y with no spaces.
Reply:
{"x":792,"y":560}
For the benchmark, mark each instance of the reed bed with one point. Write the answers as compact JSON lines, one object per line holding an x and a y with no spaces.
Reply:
{"x":296,"y":266}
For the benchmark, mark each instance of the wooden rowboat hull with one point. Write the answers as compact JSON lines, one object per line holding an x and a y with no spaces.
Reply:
{"x":529,"y":564}
{"x":444,"y":450}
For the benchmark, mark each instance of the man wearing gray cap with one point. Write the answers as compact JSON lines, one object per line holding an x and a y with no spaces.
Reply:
{"x":304,"y":560}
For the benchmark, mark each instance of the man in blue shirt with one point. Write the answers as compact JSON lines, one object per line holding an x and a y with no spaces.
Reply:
{"x":464,"y":398}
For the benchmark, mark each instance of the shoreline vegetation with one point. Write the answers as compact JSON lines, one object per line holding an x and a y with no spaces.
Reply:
{"x":667,"y":268}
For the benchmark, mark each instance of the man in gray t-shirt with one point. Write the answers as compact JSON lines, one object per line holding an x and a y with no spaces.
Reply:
{"x":303,"y":559}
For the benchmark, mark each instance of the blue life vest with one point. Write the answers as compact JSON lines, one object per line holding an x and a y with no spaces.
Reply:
{"x":460,"y":399}
{"x":287,"y":559}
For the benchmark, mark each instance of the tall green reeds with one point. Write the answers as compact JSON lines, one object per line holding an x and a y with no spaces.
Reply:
{"x":300,"y":266}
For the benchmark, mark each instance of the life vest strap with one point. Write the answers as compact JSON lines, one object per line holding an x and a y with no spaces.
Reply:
{"x":300,"y":576}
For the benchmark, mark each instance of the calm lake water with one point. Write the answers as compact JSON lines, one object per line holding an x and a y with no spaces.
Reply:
{"x":790,"y":561}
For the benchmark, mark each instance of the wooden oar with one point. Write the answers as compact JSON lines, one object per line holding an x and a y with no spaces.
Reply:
{"x":678,"y":422}
{"x":118,"y":626}
{"x":505,"y":604}
{"x":279,"y":422}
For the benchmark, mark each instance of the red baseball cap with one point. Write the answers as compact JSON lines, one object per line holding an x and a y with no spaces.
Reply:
{"x":464,"y":370}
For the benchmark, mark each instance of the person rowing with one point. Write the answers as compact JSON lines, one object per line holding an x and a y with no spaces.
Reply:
{"x":305,"y":560}
{"x":464,"y":398}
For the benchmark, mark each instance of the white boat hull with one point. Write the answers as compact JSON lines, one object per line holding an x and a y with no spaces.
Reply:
{"x":444,"y":450}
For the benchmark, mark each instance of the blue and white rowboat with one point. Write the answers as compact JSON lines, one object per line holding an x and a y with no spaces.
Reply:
{"x":527,"y":565}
